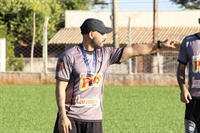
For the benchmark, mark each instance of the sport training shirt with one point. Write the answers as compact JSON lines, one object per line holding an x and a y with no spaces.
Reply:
{"x":190,"y":54}
{"x":84,"y":100}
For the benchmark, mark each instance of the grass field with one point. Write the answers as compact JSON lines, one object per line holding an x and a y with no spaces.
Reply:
{"x":144,"y":109}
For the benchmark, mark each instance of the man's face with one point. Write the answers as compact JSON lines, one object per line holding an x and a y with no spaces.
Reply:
{"x":98,"y":40}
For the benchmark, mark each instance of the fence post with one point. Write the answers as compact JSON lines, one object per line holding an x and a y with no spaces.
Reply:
{"x":45,"y":51}
{"x":2,"y":54}
{"x":129,"y":43}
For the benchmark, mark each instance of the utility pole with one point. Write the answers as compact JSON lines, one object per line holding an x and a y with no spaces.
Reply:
{"x":155,"y":21}
{"x":155,"y":30}
{"x":115,"y":23}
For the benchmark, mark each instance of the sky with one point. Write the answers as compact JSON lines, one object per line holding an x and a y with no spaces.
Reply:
{"x":127,"y":5}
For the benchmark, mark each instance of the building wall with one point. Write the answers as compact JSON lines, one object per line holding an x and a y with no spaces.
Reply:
{"x":184,"y":18}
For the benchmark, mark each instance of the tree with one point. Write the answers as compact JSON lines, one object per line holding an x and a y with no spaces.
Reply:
{"x":17,"y":16}
{"x":74,"y":4}
{"x":37,"y":7}
{"x":16,"y":20}
{"x":6,"y":25}
{"x":188,"y":4}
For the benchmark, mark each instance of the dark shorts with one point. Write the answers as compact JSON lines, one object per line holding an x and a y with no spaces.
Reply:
{"x":79,"y":126}
{"x":192,"y":112}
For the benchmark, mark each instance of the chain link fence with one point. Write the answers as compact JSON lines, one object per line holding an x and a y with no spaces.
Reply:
{"x":148,"y":64}
{"x":165,"y":62}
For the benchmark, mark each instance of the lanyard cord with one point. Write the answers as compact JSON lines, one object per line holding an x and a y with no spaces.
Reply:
{"x":86,"y":60}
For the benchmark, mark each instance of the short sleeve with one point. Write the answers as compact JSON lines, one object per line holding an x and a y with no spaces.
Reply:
{"x":182,"y":56}
{"x":63,"y":68}
{"x":115,"y":55}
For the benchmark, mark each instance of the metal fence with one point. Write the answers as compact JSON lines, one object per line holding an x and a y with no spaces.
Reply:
{"x":148,"y":64}
{"x":166,"y":62}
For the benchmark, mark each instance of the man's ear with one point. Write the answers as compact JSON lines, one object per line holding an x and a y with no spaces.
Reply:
{"x":91,"y":35}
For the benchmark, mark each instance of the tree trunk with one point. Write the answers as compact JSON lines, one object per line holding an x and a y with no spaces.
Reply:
{"x":33,"y":41}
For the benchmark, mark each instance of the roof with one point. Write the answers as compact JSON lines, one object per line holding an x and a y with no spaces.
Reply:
{"x":139,"y":35}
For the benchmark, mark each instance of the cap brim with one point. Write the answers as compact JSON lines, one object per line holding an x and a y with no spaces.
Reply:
{"x":105,"y":30}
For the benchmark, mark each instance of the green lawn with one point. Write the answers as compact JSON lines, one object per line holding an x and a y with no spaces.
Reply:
{"x":130,"y":109}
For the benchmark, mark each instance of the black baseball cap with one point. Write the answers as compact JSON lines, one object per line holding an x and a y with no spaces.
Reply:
{"x":92,"y":24}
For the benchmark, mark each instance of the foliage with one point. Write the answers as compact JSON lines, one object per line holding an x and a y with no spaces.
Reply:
{"x":188,"y":4}
{"x":75,"y":4}
{"x":16,"y":21}
{"x":12,"y":63}
{"x":18,"y":17}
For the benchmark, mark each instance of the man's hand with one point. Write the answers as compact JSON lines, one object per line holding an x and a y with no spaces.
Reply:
{"x":168,"y":43}
{"x":64,"y":125}
{"x":185,"y":96}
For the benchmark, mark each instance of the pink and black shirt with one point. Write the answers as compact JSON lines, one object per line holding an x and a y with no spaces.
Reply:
{"x":83,"y":100}
{"x":190,"y":54}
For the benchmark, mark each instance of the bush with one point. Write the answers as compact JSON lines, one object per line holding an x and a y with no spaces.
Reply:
{"x":12,"y":63}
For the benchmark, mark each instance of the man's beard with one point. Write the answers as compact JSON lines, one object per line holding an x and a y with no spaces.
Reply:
{"x":95,"y":45}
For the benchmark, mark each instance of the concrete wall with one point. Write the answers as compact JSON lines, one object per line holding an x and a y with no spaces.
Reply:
{"x":111,"y":79}
{"x":26,"y":78}
{"x":184,"y":18}
{"x":38,"y":64}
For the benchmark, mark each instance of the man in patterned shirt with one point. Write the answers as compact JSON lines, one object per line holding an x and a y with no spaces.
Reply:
{"x":190,"y":54}
{"x":80,"y":75}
